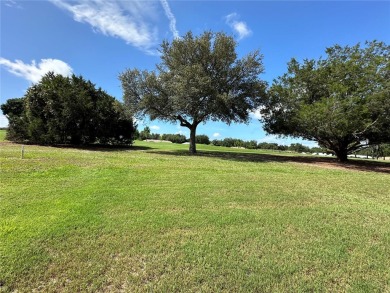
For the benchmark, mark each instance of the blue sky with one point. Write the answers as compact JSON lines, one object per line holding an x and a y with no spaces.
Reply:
{"x":99,"y":39}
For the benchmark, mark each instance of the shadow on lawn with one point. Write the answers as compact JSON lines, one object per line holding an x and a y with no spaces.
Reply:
{"x":330,"y":163}
{"x":105,"y":148}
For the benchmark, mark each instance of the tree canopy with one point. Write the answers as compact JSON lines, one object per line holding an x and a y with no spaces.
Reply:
{"x":67,"y":110}
{"x":199,"y":78}
{"x":342,"y":101}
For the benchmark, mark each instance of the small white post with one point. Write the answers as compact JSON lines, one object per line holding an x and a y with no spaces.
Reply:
{"x":22,"y":152}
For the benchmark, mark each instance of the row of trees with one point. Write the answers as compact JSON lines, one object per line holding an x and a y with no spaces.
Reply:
{"x":226,"y":142}
{"x":253,"y":144}
{"x":341,"y":101}
{"x":373,"y":151}
{"x":67,"y":110}
{"x":175,"y":138}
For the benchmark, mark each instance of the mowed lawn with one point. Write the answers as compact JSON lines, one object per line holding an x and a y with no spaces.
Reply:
{"x":154,"y":219}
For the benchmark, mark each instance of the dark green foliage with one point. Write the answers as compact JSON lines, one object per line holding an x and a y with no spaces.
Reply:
{"x":199,"y":79}
{"x":268,"y":146}
{"x":202,"y":139}
{"x":175,"y":138}
{"x":68,"y":110}
{"x":252,"y":144}
{"x":342,"y":101}
{"x":229,"y":142}
{"x":13,"y":109}
{"x":217,"y":142}
{"x":146,"y":134}
{"x":235,"y":142}
{"x":299,"y":148}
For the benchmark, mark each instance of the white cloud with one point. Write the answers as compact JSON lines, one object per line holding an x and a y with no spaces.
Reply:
{"x":33,"y":72}
{"x":181,"y":130}
{"x":132,"y":21}
{"x":3,"y":121}
{"x":185,"y":133}
{"x":239,"y":27}
{"x":155,"y":127}
{"x":216,"y":134}
{"x":255,"y":114}
{"x":171,"y":17}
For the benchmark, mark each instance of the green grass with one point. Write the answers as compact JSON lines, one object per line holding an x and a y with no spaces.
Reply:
{"x":2,"y":134}
{"x":154,"y":219}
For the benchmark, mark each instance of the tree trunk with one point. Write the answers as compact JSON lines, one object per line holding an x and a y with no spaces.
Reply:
{"x":192,"y":140}
{"x":342,"y":155}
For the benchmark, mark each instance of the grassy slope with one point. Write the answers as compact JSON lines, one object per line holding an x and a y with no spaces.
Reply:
{"x":153,"y":219}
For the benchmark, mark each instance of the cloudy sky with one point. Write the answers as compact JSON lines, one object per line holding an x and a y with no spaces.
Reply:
{"x":99,"y":39}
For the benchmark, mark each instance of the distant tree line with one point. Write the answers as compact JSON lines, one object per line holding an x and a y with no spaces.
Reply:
{"x":253,"y":144}
{"x":374,"y":151}
{"x":228,"y":142}
{"x":67,"y":110}
{"x":147,"y":134}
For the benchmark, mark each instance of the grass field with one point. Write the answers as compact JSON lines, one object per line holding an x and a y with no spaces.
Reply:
{"x":2,"y":135}
{"x":154,"y":219}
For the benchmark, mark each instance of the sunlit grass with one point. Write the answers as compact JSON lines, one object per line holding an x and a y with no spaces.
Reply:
{"x":153,"y":218}
{"x":2,"y":134}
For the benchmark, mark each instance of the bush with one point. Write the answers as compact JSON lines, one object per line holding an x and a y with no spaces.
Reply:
{"x":217,"y":142}
{"x":203,"y":139}
{"x":299,"y":148}
{"x":175,"y":138}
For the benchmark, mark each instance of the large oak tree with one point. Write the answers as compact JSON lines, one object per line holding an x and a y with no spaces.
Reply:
{"x":199,"y":79}
{"x":67,"y":110}
{"x":341,"y":101}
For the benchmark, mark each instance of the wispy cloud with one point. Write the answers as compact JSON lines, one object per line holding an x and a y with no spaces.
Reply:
{"x":239,"y":27}
{"x":181,"y":130}
{"x":155,"y":127}
{"x":12,"y":3}
{"x":171,"y":17}
{"x":132,"y":21}
{"x":185,"y":133}
{"x":216,"y":134}
{"x":33,"y":72}
{"x":128,"y":20}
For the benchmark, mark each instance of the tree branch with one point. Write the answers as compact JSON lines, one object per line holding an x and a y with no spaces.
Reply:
{"x":356,"y":134}
{"x":183,"y":122}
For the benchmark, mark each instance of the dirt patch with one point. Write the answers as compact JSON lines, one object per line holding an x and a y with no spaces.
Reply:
{"x":332,"y":163}
{"x":157,"y":140}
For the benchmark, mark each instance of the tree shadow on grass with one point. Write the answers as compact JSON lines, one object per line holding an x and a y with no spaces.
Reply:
{"x":324,"y":162}
{"x":105,"y":148}
{"x":92,"y":147}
